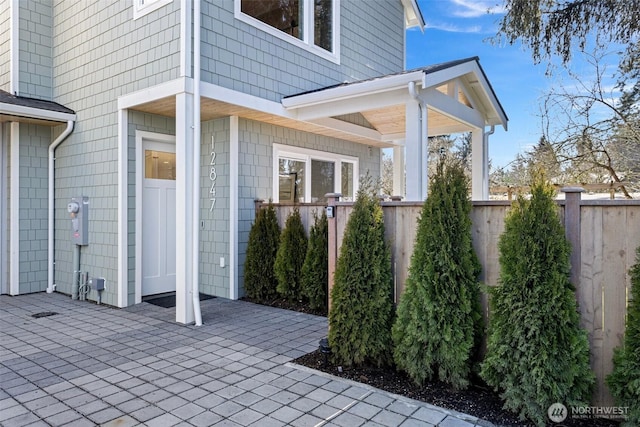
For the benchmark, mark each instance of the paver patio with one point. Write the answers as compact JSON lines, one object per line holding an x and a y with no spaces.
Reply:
{"x":93,"y":365}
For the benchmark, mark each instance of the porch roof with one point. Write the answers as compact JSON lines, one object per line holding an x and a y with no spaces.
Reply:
{"x":458,"y":96}
{"x":14,"y":108}
{"x":381,"y":101}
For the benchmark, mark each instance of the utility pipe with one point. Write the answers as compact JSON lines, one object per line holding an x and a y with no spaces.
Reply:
{"x":70,"y":124}
{"x":196,"y":166}
{"x":75,"y":286}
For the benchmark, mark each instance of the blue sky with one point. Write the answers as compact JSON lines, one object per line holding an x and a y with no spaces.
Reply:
{"x":459,"y":29}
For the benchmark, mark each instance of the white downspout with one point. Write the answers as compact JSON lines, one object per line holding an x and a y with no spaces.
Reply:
{"x":196,"y":166}
{"x":485,"y":162}
{"x":70,"y":124}
{"x":424,"y":148}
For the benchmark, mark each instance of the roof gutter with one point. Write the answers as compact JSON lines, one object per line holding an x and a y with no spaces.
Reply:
{"x":352,"y":90}
{"x":70,"y":125}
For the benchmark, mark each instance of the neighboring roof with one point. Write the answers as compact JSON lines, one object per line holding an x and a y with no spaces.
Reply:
{"x":32,"y":110}
{"x":23,"y":101}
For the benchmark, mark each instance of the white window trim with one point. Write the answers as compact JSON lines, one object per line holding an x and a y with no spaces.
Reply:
{"x":306,"y":155}
{"x":140,"y":9}
{"x":307,"y":43}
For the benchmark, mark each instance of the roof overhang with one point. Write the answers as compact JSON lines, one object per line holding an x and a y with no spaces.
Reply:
{"x":30,"y":110}
{"x":412,"y":14}
{"x":372,"y":112}
{"x":457,"y":94}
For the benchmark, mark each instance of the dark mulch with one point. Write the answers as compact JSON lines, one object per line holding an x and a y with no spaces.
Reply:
{"x":478,"y":400}
{"x":299,"y":306}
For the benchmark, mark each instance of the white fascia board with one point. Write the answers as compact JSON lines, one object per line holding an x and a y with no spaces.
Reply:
{"x":450,"y":107}
{"x":154,"y":93}
{"x":439,"y":77}
{"x":245,"y":100}
{"x":363,"y":102}
{"x":35,"y":113}
{"x":353,"y":90}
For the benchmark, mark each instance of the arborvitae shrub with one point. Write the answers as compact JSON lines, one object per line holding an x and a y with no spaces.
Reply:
{"x":315,"y":268}
{"x":624,"y":381}
{"x":259,"y":277}
{"x":290,"y":257}
{"x":439,"y":319}
{"x":360,"y":316}
{"x":537,"y":354}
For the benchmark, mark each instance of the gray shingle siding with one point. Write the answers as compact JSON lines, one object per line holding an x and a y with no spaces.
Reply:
{"x":101,"y":53}
{"x":35,"y":54}
{"x":214,"y":237}
{"x":5,"y":52}
{"x":34,"y":143}
{"x":86,"y":54}
{"x":239,"y":56}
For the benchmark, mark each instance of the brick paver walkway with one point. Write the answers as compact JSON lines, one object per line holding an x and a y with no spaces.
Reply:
{"x":94,"y":365}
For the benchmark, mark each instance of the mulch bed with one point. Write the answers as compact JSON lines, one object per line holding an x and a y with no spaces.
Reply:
{"x":478,"y":400}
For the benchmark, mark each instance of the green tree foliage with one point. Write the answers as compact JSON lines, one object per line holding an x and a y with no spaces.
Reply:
{"x":290,"y":257}
{"x":439,"y":318}
{"x":563,"y":27}
{"x":537,"y":354}
{"x":554,"y":27}
{"x":259,"y":278}
{"x":315,"y":274}
{"x":624,"y":381}
{"x":361,"y":311}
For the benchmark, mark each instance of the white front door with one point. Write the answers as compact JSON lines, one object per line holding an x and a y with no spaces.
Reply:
{"x":159,"y":218}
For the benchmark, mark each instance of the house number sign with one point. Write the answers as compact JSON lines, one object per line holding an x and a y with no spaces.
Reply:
{"x":212,"y":177}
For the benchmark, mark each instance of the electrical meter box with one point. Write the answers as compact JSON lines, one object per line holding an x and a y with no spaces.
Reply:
{"x":78,"y":209}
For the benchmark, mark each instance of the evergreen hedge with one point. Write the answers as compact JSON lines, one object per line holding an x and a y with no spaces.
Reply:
{"x":290,"y":257}
{"x":264,"y":237}
{"x":624,"y":381}
{"x":439,"y":320}
{"x":537,"y":354}
{"x":315,"y":274}
{"x":361,"y":313}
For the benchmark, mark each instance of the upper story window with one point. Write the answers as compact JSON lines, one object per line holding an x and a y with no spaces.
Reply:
{"x":311,"y":24}
{"x":143,"y":7}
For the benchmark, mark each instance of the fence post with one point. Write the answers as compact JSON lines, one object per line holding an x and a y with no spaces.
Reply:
{"x":257,"y":204}
{"x":332,"y":200}
{"x":573,"y":196}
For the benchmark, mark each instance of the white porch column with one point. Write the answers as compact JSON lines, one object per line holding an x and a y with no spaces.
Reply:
{"x":479,"y":166}
{"x":4,"y":285}
{"x":14,"y":218}
{"x":123,"y":207}
{"x":415,"y":155}
{"x":184,"y":206}
{"x":398,"y":171}
{"x":234,"y":214}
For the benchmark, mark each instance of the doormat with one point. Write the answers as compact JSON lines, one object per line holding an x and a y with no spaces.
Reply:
{"x":44,"y":314}
{"x":169,"y":301}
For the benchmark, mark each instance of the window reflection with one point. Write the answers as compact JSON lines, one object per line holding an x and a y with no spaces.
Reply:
{"x":159,"y":165}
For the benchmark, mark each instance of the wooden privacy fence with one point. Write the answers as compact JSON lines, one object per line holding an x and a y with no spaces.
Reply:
{"x":606,"y":234}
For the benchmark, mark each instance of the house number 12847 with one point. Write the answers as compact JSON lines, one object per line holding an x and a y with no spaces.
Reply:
{"x":212,"y":177}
